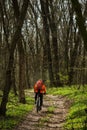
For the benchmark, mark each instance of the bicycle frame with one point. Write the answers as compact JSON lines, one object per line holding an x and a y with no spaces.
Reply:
{"x":38,"y":105}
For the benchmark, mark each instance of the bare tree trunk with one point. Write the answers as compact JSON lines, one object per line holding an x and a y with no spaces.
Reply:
{"x":53,"y":27}
{"x":21,"y":72}
{"x":5,"y":24}
{"x":66,"y":51}
{"x":44,"y":63}
{"x":47,"y":41}
{"x":27,"y":72}
{"x":13,"y":81}
{"x":84,"y":67}
{"x":73,"y":60}
{"x":11,"y":58}
{"x":7,"y":86}
{"x":80,"y":21}
{"x":21,"y":59}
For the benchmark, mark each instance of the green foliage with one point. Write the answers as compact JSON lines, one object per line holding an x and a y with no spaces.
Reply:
{"x":15,"y":111}
{"x":63,"y":78}
{"x":51,"y":109}
{"x":61,"y":91}
{"x":42,"y":121}
{"x":77,"y":117}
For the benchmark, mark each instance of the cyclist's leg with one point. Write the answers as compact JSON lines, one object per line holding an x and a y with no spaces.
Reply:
{"x":35,"y":97}
{"x":41,"y":99}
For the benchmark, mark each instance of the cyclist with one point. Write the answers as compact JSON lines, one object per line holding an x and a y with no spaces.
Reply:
{"x":41,"y":88}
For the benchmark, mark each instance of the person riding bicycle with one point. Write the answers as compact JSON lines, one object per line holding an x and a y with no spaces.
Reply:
{"x":41,"y":88}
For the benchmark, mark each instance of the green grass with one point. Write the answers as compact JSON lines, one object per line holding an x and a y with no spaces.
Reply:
{"x":77,"y":116}
{"x":42,"y":121}
{"x":15,"y":112}
{"x":50,"y":109}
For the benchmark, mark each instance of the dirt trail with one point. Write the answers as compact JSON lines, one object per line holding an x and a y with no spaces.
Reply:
{"x":45,"y":119}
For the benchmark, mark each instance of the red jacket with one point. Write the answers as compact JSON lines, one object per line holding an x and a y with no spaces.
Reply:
{"x":42,"y":88}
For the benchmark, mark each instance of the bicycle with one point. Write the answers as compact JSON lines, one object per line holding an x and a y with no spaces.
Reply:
{"x":38,"y":103}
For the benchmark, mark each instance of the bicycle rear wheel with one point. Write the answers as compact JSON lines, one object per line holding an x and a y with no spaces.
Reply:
{"x":38,"y":107}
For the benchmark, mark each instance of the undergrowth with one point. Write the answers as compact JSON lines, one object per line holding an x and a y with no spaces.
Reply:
{"x":15,"y":111}
{"x":77,"y":115}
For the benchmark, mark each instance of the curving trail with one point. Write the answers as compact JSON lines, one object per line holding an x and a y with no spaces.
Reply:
{"x":45,"y":119}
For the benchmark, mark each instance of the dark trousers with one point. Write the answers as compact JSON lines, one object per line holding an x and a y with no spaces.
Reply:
{"x":41,"y":98}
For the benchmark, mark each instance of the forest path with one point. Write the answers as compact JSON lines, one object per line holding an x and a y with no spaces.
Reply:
{"x":51,"y":117}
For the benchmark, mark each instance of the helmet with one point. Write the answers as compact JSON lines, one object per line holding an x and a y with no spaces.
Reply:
{"x":39,"y":83}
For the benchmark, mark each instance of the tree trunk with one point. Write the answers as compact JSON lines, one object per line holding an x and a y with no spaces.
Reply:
{"x":84,"y":67}
{"x":72,"y":60}
{"x":11,"y":58}
{"x":7,"y":86}
{"x":27,"y":72}
{"x":21,"y":59}
{"x":44,"y":63}
{"x":47,"y":41}
{"x":13,"y":81}
{"x":80,"y":21}
{"x":21,"y":72}
{"x":53,"y":27}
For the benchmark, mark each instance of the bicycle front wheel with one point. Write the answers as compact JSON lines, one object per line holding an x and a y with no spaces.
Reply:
{"x":38,"y":104}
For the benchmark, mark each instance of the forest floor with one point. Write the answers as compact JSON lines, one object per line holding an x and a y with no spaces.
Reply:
{"x":51,"y":117}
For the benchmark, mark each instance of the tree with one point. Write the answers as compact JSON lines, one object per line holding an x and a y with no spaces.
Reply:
{"x":80,"y":21}
{"x":46,"y":39}
{"x":21,"y":58}
{"x":53,"y":28}
{"x":11,"y":58}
